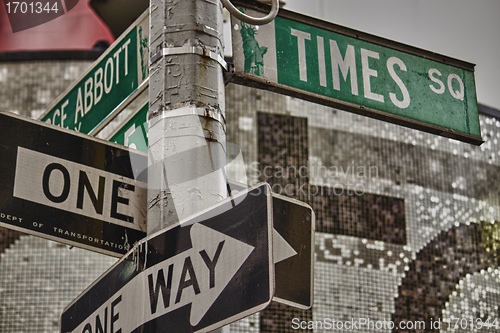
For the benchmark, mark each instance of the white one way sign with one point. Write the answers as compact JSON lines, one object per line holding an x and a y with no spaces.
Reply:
{"x":69,"y":187}
{"x":192,"y":278}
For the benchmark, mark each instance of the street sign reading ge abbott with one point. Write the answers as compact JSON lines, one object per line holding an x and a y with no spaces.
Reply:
{"x":354,"y":71}
{"x":69,"y":187}
{"x":213,"y":269}
{"x":112,"y":79}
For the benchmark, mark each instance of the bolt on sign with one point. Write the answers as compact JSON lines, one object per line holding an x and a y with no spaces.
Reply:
{"x":214,"y":268}
{"x":111,"y":80}
{"x":70,"y":188}
{"x":347,"y":69}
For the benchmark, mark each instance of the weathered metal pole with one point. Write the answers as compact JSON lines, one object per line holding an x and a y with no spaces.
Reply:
{"x":186,"y":110}
{"x":187,"y":130}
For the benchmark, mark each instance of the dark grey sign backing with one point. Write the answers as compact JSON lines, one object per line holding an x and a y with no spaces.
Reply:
{"x":294,"y":222}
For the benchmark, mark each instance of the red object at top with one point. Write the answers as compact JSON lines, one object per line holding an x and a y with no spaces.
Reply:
{"x":74,"y":26}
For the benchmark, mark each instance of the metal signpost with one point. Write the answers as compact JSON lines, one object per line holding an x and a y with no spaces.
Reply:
{"x":293,"y":225}
{"x":120,"y":74}
{"x":347,"y":69}
{"x":212,"y":269}
{"x":71,"y":188}
{"x":186,"y":116}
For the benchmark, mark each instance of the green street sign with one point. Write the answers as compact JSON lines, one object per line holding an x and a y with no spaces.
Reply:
{"x":354,"y":71}
{"x":133,"y":132}
{"x":116,"y":76}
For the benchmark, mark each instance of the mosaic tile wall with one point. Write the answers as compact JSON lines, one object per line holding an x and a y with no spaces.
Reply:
{"x":39,"y":278}
{"x":406,"y":221}
{"x":28,"y":88}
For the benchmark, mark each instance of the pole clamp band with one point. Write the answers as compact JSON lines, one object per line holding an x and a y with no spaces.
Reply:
{"x":190,"y":50}
{"x":189,"y":110}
